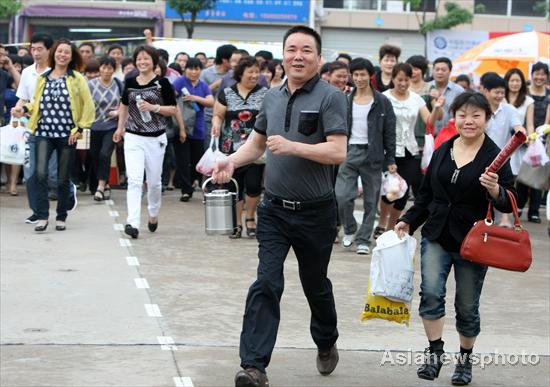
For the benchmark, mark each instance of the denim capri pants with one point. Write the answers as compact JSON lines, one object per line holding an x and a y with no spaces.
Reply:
{"x":436,"y":265}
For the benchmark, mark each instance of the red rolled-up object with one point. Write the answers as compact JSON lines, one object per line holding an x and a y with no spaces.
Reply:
{"x":513,"y":143}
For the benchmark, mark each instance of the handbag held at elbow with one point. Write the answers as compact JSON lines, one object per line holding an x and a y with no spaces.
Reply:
{"x":220,"y":210}
{"x":496,"y":246}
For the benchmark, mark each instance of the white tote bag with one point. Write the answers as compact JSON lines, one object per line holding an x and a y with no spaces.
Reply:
{"x":12,"y":143}
{"x":392,"y":267}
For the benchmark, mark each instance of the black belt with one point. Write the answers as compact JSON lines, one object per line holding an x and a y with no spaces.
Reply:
{"x":299,"y":206}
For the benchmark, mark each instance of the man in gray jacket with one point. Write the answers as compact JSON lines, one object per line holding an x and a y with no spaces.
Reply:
{"x":371,"y":145}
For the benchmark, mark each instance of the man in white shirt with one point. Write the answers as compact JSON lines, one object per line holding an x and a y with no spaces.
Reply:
{"x":442,"y":83}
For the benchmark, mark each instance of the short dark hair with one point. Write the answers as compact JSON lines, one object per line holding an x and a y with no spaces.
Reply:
{"x":268,"y":65}
{"x":244,"y":63}
{"x":93,"y":66}
{"x":193,"y":63}
{"x":76,"y":60}
{"x":200,"y":53}
{"x":163,"y":54}
{"x":307,"y":31}
{"x":176,"y":66}
{"x":336,"y":65}
{"x":420,"y":62}
{"x":264,"y":54}
{"x":125,"y":62}
{"x":402,"y":67}
{"x":151,"y":51}
{"x":522,"y":93}
{"x":224,"y":52}
{"x":16,"y":59}
{"x":107,"y":60}
{"x":163,"y":67}
{"x":492,"y":80}
{"x":443,"y":59}
{"x":241,"y":51}
{"x":463,"y":78}
{"x":388,"y":49}
{"x":361,"y":64}
{"x":325,"y":68}
{"x":115,"y":47}
{"x":471,"y":98}
{"x":540,"y":66}
{"x":343,"y":55}
{"x":181,"y":53}
{"x":27,"y":60}
{"x":45,"y":39}
{"x":87,"y":44}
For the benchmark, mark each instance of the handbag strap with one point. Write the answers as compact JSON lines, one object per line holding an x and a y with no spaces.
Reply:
{"x":489,"y":216}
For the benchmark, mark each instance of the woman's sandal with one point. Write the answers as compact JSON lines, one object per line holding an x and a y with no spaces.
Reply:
{"x":377,"y":232}
{"x":250,"y":231}
{"x":99,"y":195}
{"x":107,"y":193}
{"x":238,"y":233}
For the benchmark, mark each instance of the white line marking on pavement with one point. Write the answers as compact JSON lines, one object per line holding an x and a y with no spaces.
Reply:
{"x":141,"y":283}
{"x":167,"y":343}
{"x":124,"y":242}
{"x":118,"y":226}
{"x":114,"y":214}
{"x":153,"y":310}
{"x":183,"y":381}
{"x":109,"y":202}
{"x":132,"y":261}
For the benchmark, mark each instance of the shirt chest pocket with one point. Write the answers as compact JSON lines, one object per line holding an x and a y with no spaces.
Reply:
{"x":309,"y":121}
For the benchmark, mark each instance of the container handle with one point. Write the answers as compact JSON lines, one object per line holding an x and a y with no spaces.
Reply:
{"x":209,"y":179}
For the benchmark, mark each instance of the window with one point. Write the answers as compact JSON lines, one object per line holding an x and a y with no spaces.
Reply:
{"x":528,"y":8}
{"x":491,"y":7}
{"x":428,"y":4}
{"x":333,"y":3}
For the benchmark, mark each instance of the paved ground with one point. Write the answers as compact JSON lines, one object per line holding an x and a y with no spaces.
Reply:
{"x":89,"y":307}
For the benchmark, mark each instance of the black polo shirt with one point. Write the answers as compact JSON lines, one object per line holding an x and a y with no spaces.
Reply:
{"x":312,"y":113}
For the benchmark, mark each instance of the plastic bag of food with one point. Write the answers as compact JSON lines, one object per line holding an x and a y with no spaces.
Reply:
{"x":394,"y":186}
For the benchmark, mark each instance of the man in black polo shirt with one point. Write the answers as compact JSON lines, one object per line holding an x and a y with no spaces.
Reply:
{"x":302,"y":127}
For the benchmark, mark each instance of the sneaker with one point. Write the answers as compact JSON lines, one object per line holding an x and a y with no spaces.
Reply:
{"x":185,"y":197}
{"x":348,"y":239}
{"x":362,"y":249}
{"x":73,"y":202}
{"x":327,"y":360}
{"x":33,"y":219}
{"x":251,"y":377}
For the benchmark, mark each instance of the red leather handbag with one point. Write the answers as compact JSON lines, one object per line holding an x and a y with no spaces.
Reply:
{"x":495,"y":246}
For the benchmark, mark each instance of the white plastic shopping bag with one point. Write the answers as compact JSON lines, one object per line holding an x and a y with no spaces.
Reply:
{"x":12,"y":143}
{"x":208,"y":160}
{"x":393,"y":186}
{"x":536,"y":154}
{"x":427,"y":151}
{"x":392,"y":267}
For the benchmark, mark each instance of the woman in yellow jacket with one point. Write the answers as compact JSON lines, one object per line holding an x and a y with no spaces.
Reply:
{"x":62,"y":107}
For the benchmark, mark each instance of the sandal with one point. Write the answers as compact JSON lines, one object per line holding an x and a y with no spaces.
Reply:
{"x":107,"y":192}
{"x":377,"y":232}
{"x":237,"y":234}
{"x":99,"y":195}
{"x":250,"y":231}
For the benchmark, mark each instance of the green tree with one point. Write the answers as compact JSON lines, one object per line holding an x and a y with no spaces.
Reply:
{"x":455,"y":16}
{"x":8,"y":8}
{"x":188,"y":11}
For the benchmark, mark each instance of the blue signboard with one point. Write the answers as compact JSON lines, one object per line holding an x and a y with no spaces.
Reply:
{"x":286,"y":11}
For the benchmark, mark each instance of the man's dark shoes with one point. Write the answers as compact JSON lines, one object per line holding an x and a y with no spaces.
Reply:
{"x":33,"y":219}
{"x":251,"y":377}
{"x":129,"y":230}
{"x":534,"y":219}
{"x":431,"y":367}
{"x":185,"y":197}
{"x":463,"y":371}
{"x":327,"y":360}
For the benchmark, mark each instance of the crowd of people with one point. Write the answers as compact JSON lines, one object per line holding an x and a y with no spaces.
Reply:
{"x":304,"y":138}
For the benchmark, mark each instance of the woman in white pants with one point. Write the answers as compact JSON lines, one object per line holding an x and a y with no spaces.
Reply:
{"x":147,"y":101}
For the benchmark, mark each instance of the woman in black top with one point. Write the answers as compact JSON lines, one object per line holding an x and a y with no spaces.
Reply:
{"x":146,"y":103}
{"x":237,"y":107}
{"x":454,"y":194}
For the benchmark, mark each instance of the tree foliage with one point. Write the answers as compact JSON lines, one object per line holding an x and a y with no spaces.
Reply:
{"x":188,"y":11}
{"x":8,"y":8}
{"x":455,"y":16}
